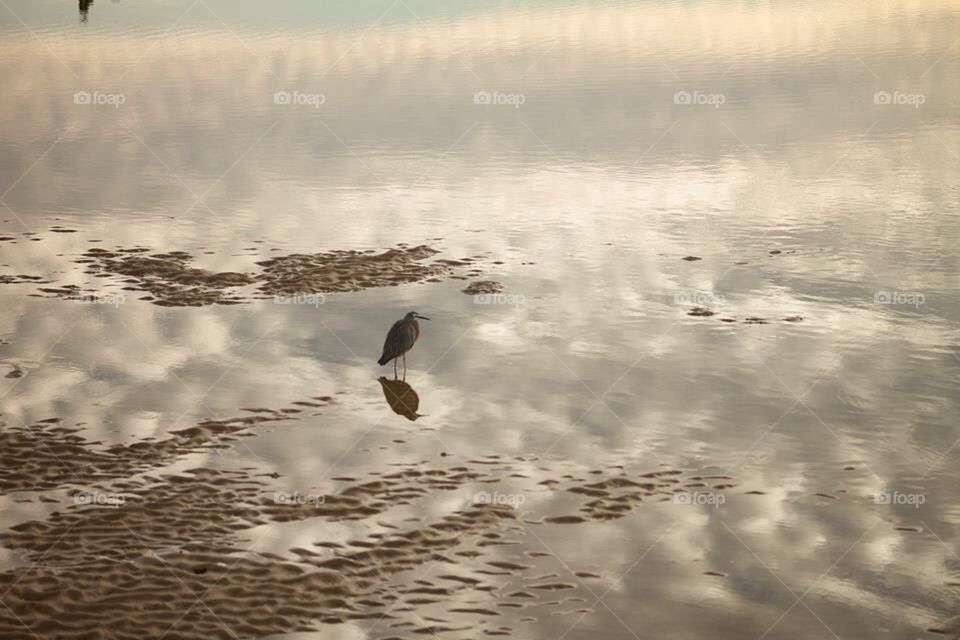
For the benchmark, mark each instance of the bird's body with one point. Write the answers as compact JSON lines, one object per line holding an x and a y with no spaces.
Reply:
{"x":400,"y":339}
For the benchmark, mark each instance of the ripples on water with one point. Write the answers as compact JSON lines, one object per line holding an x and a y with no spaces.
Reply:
{"x":817,"y":372}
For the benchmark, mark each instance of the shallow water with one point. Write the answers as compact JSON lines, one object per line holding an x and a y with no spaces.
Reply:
{"x":805,"y":153}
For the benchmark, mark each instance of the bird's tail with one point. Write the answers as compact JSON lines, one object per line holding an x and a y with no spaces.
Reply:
{"x":383,"y":360}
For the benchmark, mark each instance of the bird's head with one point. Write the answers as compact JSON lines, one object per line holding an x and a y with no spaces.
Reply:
{"x":413,"y":315}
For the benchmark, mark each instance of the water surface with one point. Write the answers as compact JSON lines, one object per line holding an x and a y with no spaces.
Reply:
{"x":805,"y":153}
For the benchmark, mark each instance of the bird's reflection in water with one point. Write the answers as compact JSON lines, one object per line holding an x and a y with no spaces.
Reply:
{"x":401,"y":397}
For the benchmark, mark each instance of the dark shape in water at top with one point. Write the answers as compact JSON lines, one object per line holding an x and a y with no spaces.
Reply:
{"x":401,"y":397}
{"x":84,"y":9}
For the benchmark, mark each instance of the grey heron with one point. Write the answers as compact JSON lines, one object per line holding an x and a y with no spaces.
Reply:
{"x":400,"y":339}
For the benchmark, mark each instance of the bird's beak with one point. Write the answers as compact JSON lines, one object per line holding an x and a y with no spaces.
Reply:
{"x":423,"y":317}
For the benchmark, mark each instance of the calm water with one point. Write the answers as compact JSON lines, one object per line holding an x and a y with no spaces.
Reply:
{"x":807,"y":153}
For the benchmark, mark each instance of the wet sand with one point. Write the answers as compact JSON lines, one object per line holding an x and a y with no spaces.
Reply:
{"x":169,"y":279}
{"x":141,"y":564}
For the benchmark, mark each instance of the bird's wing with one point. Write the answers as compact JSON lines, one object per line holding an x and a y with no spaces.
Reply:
{"x":392,"y":345}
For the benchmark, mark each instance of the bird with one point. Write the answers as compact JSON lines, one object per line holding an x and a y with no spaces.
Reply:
{"x":400,"y":339}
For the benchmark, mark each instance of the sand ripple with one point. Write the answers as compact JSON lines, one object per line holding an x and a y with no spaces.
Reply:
{"x":48,"y":455}
{"x":170,"y":554}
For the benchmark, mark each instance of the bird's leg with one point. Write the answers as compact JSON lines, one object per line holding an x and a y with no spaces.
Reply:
{"x":394,"y":368}
{"x":404,"y":367}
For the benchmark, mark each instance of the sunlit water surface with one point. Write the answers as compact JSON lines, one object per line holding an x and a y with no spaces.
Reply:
{"x":583,"y":186}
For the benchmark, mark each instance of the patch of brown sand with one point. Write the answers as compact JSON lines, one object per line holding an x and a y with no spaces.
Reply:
{"x":48,"y":455}
{"x":210,"y":505}
{"x":120,"y":573}
{"x":169,"y":559}
{"x":246,"y":596}
{"x":483,"y":286}
{"x":343,"y":271}
{"x":169,"y":279}
{"x":617,"y":496}
{"x":21,"y":279}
